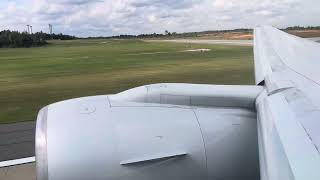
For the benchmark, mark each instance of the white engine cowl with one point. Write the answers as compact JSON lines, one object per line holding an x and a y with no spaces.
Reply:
{"x":157,"y":133}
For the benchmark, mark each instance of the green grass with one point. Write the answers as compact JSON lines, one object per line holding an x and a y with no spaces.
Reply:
{"x":31,"y":78}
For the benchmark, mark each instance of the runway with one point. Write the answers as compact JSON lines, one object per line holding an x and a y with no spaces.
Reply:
{"x":17,"y":140}
{"x":19,"y":172}
{"x":196,"y":41}
{"x":222,"y":42}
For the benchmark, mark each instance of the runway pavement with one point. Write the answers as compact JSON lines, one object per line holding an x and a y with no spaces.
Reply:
{"x":196,"y":41}
{"x":17,"y":140}
{"x":224,"y":42}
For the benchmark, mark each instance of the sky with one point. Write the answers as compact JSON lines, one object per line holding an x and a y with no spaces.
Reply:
{"x":85,"y":18}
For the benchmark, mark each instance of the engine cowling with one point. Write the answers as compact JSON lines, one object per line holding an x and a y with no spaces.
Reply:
{"x":102,"y":137}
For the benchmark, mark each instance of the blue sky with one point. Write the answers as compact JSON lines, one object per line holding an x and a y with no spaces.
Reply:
{"x":113,"y":17}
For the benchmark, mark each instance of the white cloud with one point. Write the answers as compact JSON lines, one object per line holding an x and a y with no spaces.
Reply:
{"x":225,"y":18}
{"x":107,"y":17}
{"x":152,"y":18}
{"x":222,"y":4}
{"x":263,"y":13}
{"x":12,"y":8}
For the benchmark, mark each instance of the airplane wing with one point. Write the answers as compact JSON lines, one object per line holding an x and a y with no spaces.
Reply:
{"x":288,"y":109}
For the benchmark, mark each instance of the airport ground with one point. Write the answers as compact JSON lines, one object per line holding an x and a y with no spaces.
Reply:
{"x":31,"y":78}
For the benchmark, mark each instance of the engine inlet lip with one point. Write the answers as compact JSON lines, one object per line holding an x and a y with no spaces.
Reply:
{"x":41,"y":145}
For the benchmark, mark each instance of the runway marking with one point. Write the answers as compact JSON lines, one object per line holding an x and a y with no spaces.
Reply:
{"x":17,"y":162}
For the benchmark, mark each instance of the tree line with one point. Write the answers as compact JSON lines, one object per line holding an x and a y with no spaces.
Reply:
{"x":303,"y":28}
{"x":59,"y":36}
{"x":15,"y":39}
{"x":169,"y":35}
{"x":128,"y":36}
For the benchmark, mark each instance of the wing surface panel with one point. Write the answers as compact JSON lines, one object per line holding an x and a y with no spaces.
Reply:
{"x":289,"y":110}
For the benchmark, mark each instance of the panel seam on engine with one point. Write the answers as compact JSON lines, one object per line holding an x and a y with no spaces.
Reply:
{"x":203,"y":141}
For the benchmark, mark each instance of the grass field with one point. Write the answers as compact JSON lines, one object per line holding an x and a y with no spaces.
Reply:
{"x":32,"y":78}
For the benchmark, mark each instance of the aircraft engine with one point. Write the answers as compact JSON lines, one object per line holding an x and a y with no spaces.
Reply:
{"x":156,"y":133}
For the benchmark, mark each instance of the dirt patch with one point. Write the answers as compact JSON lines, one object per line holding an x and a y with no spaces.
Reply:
{"x":248,"y":35}
{"x":241,"y":36}
{"x":306,"y":33}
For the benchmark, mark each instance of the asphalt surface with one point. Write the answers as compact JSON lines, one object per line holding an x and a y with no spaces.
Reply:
{"x":224,"y":42}
{"x":196,"y":41}
{"x":17,"y":140}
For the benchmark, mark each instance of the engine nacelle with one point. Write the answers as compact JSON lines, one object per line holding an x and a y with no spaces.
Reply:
{"x":113,"y":137}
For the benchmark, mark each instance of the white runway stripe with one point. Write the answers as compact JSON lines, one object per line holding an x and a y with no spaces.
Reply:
{"x":17,"y":162}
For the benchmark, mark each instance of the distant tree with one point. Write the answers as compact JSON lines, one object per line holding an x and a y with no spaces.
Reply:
{"x":59,"y":36}
{"x":4,"y":38}
{"x":17,"y":39}
{"x":24,"y":39}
